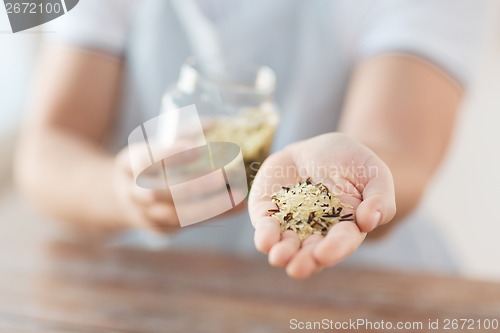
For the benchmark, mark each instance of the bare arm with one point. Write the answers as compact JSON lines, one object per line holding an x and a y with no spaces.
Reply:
{"x":61,"y":163}
{"x":404,"y":109}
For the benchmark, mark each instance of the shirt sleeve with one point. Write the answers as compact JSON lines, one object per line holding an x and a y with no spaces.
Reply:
{"x":448,"y":33}
{"x":95,"y":24}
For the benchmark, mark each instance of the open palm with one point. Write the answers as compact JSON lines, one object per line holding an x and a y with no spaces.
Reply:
{"x":351,"y":171}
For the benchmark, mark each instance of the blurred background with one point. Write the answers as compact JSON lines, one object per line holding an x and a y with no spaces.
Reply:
{"x":462,"y":200}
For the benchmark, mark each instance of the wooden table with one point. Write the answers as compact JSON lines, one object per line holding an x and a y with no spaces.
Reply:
{"x":49,"y":285}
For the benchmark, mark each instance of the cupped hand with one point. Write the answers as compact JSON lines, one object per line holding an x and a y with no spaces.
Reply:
{"x":351,"y":171}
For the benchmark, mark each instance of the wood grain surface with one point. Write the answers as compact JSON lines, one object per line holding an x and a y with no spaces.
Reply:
{"x":52,"y":285}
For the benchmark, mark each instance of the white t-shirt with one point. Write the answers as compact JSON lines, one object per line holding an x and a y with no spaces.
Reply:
{"x":312,"y":46}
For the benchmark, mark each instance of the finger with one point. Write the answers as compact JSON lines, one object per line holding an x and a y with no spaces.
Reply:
{"x":303,"y":264}
{"x":267,"y":233}
{"x":161,"y":214}
{"x":260,"y":210}
{"x":160,"y":228}
{"x":379,"y":200}
{"x":341,"y":241}
{"x":198,"y":209}
{"x":139,"y":218}
{"x":268,"y":181}
{"x":138,"y":156}
{"x":282,"y":252}
{"x":270,"y":178}
{"x":147,"y":162}
{"x":209,"y":185}
{"x":267,"y":229}
{"x":147,"y":197}
{"x":374,"y":211}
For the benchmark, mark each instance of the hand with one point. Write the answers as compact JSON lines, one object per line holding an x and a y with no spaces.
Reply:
{"x":142,"y":207}
{"x":351,"y":171}
{"x":150,"y":204}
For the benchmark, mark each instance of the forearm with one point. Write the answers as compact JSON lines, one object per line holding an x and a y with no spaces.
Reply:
{"x":60,"y":162}
{"x":404,"y":109}
{"x":68,"y":178}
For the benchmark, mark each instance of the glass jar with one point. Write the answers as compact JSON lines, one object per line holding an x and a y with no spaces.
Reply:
{"x":235,"y":103}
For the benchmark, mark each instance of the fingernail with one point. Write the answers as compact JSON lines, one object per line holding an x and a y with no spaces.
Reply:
{"x":377,"y":217}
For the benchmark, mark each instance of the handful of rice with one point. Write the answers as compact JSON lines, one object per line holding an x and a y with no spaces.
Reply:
{"x":308,"y":208}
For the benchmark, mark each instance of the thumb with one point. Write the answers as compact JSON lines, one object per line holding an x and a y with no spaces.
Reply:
{"x":379,"y":202}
